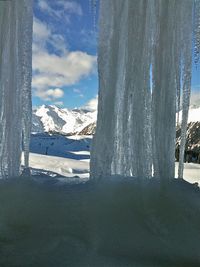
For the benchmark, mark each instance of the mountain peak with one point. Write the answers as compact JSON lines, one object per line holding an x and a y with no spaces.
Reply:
{"x":50,"y":118}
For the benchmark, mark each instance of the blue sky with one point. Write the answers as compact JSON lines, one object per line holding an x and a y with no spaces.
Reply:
{"x":65,"y":53}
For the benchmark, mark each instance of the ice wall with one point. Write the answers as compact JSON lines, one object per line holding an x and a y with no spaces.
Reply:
{"x":15,"y":83}
{"x":144,"y":64}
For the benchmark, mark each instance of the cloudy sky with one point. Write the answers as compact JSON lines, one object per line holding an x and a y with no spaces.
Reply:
{"x":65,"y":53}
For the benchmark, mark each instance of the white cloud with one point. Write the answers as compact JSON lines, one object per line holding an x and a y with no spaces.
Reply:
{"x":75,"y":90}
{"x":50,"y":94}
{"x":58,"y":42}
{"x":58,"y":69}
{"x":43,"y":5}
{"x":70,"y":6}
{"x":62,"y":70}
{"x":40,"y":30}
{"x":60,"y":8}
{"x":43,"y":35}
{"x":92,"y":104}
{"x":78,"y":92}
{"x":81,"y":95}
{"x":46,"y":7}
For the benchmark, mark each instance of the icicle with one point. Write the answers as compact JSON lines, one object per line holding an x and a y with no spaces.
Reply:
{"x":136,"y":124}
{"x":121,"y":144}
{"x":27,"y":77}
{"x":164,"y":92}
{"x":186,"y":79}
{"x":136,"y":98}
{"x":102,"y":149}
{"x":12,"y":14}
{"x":177,"y":56}
{"x":197,"y":31}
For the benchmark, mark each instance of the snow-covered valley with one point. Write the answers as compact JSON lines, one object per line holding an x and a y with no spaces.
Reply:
{"x":68,"y":156}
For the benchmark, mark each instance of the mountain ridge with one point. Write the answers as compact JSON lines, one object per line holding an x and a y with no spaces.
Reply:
{"x":50,"y":118}
{"x":82,"y":121}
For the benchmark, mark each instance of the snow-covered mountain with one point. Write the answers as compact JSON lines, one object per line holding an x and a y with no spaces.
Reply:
{"x":82,"y":121}
{"x":48,"y":118}
{"x":89,"y":129}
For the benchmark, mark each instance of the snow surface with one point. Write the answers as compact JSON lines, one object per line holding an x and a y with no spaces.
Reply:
{"x":191,"y":172}
{"x":70,"y":156}
{"x":62,"y":146}
{"x":63,"y":166}
{"x":71,"y":167}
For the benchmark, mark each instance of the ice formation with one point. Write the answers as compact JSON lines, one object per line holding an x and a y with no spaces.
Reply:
{"x":15,"y":84}
{"x":93,"y":9}
{"x":144,"y":63}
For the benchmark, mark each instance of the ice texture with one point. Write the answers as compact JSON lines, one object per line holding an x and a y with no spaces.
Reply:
{"x":15,"y":83}
{"x":186,"y":78}
{"x":27,"y":78}
{"x":144,"y":64}
{"x":197,"y":31}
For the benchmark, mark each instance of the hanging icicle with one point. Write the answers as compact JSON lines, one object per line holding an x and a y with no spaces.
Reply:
{"x":26,"y":80}
{"x":15,"y":77}
{"x":136,"y":122}
{"x":196,"y":31}
{"x":186,"y":79}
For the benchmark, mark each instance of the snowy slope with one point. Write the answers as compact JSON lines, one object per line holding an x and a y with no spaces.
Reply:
{"x":60,"y":146}
{"x":63,"y":166}
{"x":66,"y":156}
{"x":80,"y":168}
{"x":53,"y":119}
